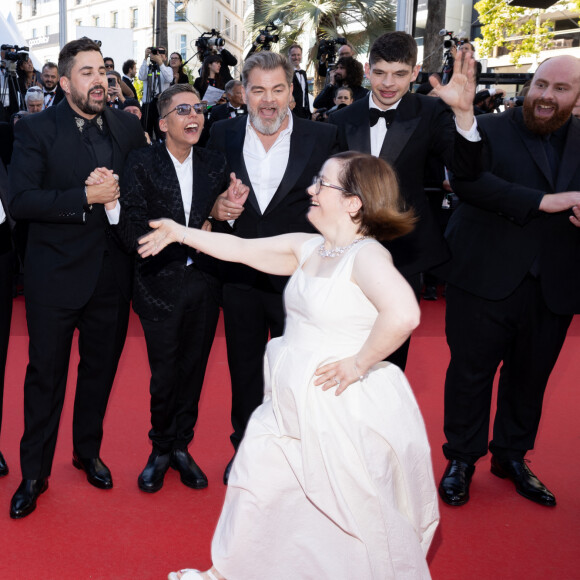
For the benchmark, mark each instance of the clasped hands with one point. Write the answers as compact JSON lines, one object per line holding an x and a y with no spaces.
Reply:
{"x":103,"y":187}
{"x":230,"y":204}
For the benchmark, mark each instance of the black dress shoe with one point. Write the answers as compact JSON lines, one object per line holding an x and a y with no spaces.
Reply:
{"x":151,"y":478}
{"x":527,"y":484}
{"x":24,"y":500}
{"x":3,"y":467}
{"x":228,"y":470}
{"x":98,"y":473}
{"x":454,"y":485}
{"x":190,"y":472}
{"x":430,"y":293}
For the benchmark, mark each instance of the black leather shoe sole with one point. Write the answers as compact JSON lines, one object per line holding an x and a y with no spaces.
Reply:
{"x":19,"y":514}
{"x":94,"y":481}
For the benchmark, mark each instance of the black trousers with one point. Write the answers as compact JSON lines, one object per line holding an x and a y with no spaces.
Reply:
{"x":178,"y":348}
{"x":523,"y":334}
{"x":102,"y":325}
{"x":6,"y":282}
{"x":251,"y":316}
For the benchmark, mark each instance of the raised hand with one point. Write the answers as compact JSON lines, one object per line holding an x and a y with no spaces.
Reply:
{"x":459,"y":92}
{"x":230,"y":204}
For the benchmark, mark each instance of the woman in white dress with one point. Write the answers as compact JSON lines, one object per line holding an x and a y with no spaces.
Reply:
{"x":333,"y":479}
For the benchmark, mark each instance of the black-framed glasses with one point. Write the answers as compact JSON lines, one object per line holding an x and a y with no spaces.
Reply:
{"x":317,"y":183}
{"x":185,"y":109}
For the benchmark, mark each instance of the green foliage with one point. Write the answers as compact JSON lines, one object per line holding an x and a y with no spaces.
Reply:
{"x":518,"y":29}
{"x":324,"y":19}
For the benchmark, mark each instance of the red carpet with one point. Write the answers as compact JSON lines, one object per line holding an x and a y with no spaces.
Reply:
{"x":80,"y":533}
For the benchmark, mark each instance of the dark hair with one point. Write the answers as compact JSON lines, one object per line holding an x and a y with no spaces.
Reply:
{"x":69,"y":52}
{"x":106,"y":58}
{"x":219,"y":82}
{"x":130,"y":103}
{"x":383,"y":214}
{"x":394,"y":47}
{"x":267,"y":60}
{"x":354,"y":70}
{"x":128,"y":65}
{"x":49,"y":65}
{"x":345,"y":88}
{"x":165,"y":97}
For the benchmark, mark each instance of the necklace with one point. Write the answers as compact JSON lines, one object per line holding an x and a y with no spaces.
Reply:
{"x":339,"y":250}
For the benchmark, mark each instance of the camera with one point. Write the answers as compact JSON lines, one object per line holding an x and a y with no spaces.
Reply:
{"x":327,"y":47}
{"x":269,"y":38}
{"x":112,"y":81}
{"x":155,"y":50}
{"x":15,"y":53}
{"x":207,"y":42}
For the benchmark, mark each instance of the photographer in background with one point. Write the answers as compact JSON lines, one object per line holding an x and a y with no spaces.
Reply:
{"x":348,"y":73}
{"x":264,"y":40}
{"x":488,"y":101}
{"x":327,"y":53}
{"x":156,"y":76}
{"x":115,"y":97}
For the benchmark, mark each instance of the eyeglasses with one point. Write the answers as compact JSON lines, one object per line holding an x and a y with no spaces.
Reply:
{"x":109,"y":66}
{"x":34,"y":90}
{"x":185,"y":109}
{"x":317,"y":183}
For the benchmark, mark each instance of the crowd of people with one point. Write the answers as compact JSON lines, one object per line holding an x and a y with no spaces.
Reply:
{"x":313,"y":239}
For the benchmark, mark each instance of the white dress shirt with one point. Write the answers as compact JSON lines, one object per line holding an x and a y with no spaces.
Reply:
{"x":185,"y":177}
{"x":266,"y":168}
{"x":379,"y":131}
{"x":165,"y":76}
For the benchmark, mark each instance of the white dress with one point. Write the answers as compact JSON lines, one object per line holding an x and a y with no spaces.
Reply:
{"x":326,"y":487}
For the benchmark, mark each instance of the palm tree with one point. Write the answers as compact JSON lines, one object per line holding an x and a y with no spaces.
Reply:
{"x":360,"y":22}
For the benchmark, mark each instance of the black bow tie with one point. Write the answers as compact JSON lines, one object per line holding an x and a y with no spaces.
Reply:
{"x":376,"y":114}
{"x":46,"y":93}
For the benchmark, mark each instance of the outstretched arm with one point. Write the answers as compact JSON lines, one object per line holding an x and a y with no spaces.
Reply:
{"x":277,"y":255}
{"x":398,"y":316}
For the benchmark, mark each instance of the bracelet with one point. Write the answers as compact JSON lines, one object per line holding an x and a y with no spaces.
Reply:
{"x":357,"y":371}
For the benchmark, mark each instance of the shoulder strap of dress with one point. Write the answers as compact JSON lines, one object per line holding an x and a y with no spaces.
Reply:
{"x":308,"y":248}
{"x":345,"y":268}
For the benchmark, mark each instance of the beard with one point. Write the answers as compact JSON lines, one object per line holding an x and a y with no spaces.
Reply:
{"x":84,"y":102}
{"x":545,"y":126}
{"x":267,"y":127}
{"x":48,"y":85}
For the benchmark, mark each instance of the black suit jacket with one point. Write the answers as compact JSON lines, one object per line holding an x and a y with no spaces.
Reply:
{"x":423,"y":127}
{"x":150,"y":190}
{"x":302,"y":108}
{"x":497,"y":232}
{"x":129,"y":83}
{"x":310,"y":146}
{"x":66,"y":239}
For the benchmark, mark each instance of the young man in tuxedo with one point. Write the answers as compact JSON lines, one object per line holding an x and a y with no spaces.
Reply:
{"x":76,"y":275}
{"x":513,"y":281}
{"x":176,"y":293}
{"x":299,"y":84}
{"x":277,"y":155}
{"x":406,"y":129}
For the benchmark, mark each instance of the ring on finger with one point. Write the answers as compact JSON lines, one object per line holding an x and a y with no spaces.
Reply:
{"x":337,"y":380}
{"x":229,"y":214}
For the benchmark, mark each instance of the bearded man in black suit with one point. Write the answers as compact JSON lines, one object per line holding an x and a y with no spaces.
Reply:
{"x":514,"y":281}
{"x":277,"y":155}
{"x":176,"y":294}
{"x":76,"y":275}
{"x":406,"y":130}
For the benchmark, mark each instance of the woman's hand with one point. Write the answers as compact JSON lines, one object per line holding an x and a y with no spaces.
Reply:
{"x":165,"y":232}
{"x":339,"y":374}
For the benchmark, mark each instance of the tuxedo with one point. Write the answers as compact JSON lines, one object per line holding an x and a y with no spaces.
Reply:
{"x":226,"y":111}
{"x":178,"y":304}
{"x":129,"y":82}
{"x":253,"y":307}
{"x":302,"y":108}
{"x":514,"y":284}
{"x":7,"y":258}
{"x":76,"y":275}
{"x":423,"y":127}
{"x":52,"y":98}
